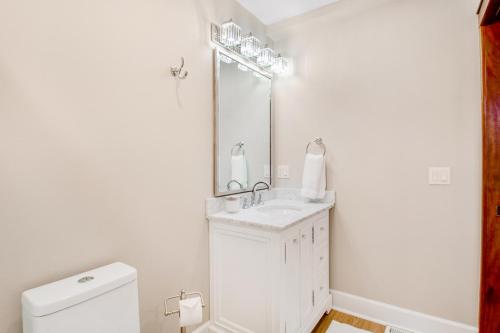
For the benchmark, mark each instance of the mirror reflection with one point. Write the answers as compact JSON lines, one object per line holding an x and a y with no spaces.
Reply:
{"x":243,"y":126}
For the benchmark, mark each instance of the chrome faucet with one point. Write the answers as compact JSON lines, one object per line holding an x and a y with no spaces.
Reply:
{"x":254,"y":192}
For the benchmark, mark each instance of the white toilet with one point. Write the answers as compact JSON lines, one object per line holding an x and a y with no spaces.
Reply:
{"x":104,"y":300}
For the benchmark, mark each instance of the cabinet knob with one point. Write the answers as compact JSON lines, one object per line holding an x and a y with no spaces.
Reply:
{"x":303,"y":236}
{"x":295,"y":240}
{"x":321,"y":228}
{"x":321,"y":258}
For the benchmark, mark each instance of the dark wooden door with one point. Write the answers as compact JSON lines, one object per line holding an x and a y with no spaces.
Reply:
{"x":490,"y":275}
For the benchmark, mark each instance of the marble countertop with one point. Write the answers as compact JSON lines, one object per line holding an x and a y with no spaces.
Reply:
{"x":288,"y":212}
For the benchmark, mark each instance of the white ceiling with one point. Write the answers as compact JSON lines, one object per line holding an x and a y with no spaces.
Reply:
{"x":272,"y":11}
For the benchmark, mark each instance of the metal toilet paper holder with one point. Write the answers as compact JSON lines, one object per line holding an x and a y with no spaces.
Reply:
{"x":182,"y":295}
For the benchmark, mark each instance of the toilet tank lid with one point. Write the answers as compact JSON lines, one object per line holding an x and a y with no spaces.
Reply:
{"x":67,"y":292}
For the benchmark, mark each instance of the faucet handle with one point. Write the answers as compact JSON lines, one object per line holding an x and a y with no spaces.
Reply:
{"x":245,"y":203}
{"x":259,"y":201}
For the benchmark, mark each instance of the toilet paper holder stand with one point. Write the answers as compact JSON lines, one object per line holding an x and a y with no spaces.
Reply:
{"x":182,"y":295}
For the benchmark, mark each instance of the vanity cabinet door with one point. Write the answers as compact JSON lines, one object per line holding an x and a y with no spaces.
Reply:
{"x":243,"y":274}
{"x":291,"y":293}
{"x":306,"y":272}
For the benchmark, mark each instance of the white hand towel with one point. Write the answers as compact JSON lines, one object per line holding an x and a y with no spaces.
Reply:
{"x":314,"y":177}
{"x":190,"y":311}
{"x":239,"y":171}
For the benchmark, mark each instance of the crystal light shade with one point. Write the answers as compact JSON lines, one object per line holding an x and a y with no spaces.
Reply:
{"x":265,"y":57}
{"x":280,"y":65}
{"x":250,"y":46}
{"x":248,"y":52}
{"x":230,"y":33}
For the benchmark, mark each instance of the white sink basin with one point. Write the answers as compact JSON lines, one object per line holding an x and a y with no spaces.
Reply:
{"x":277,"y":210}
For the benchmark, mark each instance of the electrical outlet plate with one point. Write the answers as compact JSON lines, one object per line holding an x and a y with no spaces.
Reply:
{"x":283,"y":171}
{"x":439,"y":175}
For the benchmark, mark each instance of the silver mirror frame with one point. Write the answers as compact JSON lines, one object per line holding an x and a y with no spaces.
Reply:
{"x":216,"y":68}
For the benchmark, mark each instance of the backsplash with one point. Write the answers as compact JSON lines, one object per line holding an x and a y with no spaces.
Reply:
{"x":214,"y":205}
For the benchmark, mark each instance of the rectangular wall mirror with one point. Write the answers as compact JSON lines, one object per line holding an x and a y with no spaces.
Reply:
{"x":242,"y":125}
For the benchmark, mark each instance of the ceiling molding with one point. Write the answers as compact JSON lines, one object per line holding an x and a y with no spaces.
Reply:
{"x":271,"y":12}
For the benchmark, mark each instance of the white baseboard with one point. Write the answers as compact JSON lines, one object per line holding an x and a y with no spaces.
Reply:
{"x":207,"y":327}
{"x":387,"y":314}
{"x":384,"y":314}
{"x":202,"y":328}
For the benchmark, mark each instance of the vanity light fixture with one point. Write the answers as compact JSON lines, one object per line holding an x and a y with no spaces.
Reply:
{"x":230,"y":33}
{"x":247,"y":50}
{"x":250,"y":46}
{"x":265,"y":57}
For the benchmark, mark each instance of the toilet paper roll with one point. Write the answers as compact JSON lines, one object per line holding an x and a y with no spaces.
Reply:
{"x":190,"y":311}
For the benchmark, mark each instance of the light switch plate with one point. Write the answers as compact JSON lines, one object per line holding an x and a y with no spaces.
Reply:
{"x":439,"y":175}
{"x":283,"y":172}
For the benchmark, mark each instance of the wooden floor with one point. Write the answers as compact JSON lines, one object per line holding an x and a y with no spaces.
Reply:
{"x":363,"y":324}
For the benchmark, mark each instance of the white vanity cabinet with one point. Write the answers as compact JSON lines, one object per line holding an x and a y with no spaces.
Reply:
{"x":269,"y":280}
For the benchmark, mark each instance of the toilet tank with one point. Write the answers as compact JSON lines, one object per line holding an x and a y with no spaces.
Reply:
{"x":103,"y":300}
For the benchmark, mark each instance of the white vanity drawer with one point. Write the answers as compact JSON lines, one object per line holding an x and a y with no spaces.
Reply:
{"x":322,"y":285}
{"x":321,"y":231}
{"x":321,"y":256}
{"x":321,"y":272}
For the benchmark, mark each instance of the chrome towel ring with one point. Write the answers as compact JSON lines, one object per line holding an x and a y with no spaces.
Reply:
{"x":318,"y":141}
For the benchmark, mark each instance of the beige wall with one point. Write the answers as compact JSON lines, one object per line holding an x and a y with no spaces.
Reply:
{"x":393,"y":87}
{"x":103,"y":155}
